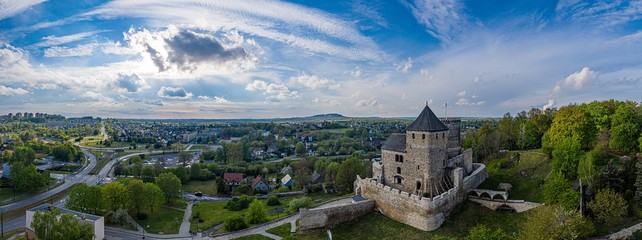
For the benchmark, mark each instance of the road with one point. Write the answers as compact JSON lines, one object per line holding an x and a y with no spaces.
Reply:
{"x":80,"y":177}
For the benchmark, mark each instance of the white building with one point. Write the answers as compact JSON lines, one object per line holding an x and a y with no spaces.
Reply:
{"x":97,"y":222}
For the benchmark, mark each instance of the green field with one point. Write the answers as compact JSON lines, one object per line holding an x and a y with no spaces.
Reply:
{"x":254,"y":237}
{"x":281,"y":231}
{"x":206,"y":187}
{"x":165,"y":220}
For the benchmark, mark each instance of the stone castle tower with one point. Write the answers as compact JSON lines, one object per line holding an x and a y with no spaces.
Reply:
{"x":416,"y":161}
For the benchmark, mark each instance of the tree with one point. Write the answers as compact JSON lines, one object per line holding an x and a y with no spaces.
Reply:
{"x":137,"y":193}
{"x":184,"y":158}
{"x":301,"y":202}
{"x":273,"y":201}
{"x":299,"y":149}
{"x":608,"y":206}
{"x":587,"y":171}
{"x":555,"y":222}
{"x":570,"y":122}
{"x":347,"y":174}
{"x":135,"y":159}
{"x":25,"y":177}
{"x":638,"y":182}
{"x":195,"y":172}
{"x":566,"y":157}
{"x":234,"y":224}
{"x":170,"y":185}
{"x":84,"y":198}
{"x":47,"y":225}
{"x":148,"y":174}
{"x":256,"y":212}
{"x":154,"y":196}
{"x":115,"y":196}
{"x":559,"y":190}
{"x":25,"y":155}
{"x":137,"y":169}
{"x":623,"y":137}
{"x":481,"y":232}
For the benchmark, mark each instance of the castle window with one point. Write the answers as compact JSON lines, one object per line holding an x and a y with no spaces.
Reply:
{"x":398,"y":158}
{"x":398,"y":180}
{"x":442,"y":135}
{"x":437,"y":136}
{"x":417,"y":167}
{"x":423,"y":136}
{"x":413,"y":136}
{"x":398,"y":170}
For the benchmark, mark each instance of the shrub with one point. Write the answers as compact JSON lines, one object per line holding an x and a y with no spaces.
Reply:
{"x":238,"y":204}
{"x":273,"y":201}
{"x":297,"y":203}
{"x":234,"y":224}
{"x":483,"y":232}
{"x":608,"y":206}
{"x":141,"y":216}
{"x":256,"y":212}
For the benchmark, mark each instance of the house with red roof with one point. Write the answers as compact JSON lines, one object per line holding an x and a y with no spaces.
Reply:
{"x":233,"y":179}
{"x":260,"y":184}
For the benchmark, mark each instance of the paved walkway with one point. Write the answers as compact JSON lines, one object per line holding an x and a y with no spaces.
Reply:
{"x":186,"y":217}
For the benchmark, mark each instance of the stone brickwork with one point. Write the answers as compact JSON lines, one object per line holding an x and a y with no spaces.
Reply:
{"x":331,"y":216}
{"x":625,"y":233}
{"x":423,"y":213}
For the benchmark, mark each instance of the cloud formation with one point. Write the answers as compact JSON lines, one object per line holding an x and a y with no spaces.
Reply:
{"x":404,"y":66}
{"x":314,"y":81}
{"x":185,"y":50}
{"x":8,"y":91}
{"x":444,"y":19}
{"x":272,"y":90}
{"x":130,"y":83}
{"x":11,"y":8}
{"x":174,"y":93}
{"x":215,"y":99}
{"x":580,"y":79}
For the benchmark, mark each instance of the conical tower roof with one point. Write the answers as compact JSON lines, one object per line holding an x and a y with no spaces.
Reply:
{"x":427,"y":121}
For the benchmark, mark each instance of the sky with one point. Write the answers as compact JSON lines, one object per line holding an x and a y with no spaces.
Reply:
{"x":266,"y":59}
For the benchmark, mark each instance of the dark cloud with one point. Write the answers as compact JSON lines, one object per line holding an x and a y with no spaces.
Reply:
{"x":130,"y":83}
{"x":174,"y":93}
{"x":186,"y":50}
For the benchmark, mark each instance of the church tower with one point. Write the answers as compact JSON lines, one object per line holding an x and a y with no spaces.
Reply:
{"x":426,"y":153}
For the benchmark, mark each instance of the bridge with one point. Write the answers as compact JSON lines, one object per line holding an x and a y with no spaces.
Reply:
{"x":488,"y":194}
{"x":511,"y":205}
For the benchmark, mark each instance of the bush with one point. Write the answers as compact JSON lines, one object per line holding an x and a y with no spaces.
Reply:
{"x":608,"y":206}
{"x":141,"y":216}
{"x":238,"y":204}
{"x":235,"y":224}
{"x":297,"y":203}
{"x":483,"y":232}
{"x":273,"y":201}
{"x":256,"y":212}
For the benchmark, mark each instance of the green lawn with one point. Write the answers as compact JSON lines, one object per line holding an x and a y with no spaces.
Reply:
{"x":281,"y":231}
{"x":213,"y":214}
{"x":206,"y":187}
{"x":197,"y":147}
{"x":165,"y":220}
{"x":527,"y":174}
{"x":254,"y":237}
{"x":381,"y":227}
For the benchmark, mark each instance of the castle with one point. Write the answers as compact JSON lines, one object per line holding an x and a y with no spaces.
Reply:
{"x":424,"y":174}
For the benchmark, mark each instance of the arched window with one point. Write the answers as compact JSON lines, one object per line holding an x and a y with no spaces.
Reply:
{"x":398,"y":180}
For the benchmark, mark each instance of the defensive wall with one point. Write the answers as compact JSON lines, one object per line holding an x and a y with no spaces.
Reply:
{"x":331,"y":216}
{"x":421,"y":212}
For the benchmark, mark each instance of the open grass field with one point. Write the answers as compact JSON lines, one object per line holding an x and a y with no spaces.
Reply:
{"x":281,"y":231}
{"x":254,"y":237}
{"x":526,"y":173}
{"x":165,"y":220}
{"x":206,"y":187}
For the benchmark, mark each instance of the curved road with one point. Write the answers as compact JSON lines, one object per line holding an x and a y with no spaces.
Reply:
{"x":80,"y":177}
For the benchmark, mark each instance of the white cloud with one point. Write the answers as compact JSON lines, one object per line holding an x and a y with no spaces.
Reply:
{"x":215,"y":99}
{"x":461,"y":94}
{"x":600,"y":14}
{"x":11,"y":8}
{"x":98,"y":99}
{"x":174,"y":93}
{"x":325,"y":101}
{"x":8,"y":91}
{"x":466,"y":102}
{"x":272,"y":90}
{"x":307,"y":28}
{"x":367,"y":102}
{"x":579,"y":79}
{"x":52,"y":40}
{"x":356,"y":72}
{"x":313,"y":81}
{"x":77,"y":51}
{"x":445,"y":19}
{"x":404,"y":66}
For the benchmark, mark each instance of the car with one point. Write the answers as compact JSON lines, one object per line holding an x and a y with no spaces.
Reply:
{"x":198,"y":194}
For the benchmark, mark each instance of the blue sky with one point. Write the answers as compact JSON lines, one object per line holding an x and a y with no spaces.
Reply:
{"x":261,"y":59}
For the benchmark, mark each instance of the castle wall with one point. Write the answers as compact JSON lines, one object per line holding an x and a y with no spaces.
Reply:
{"x":331,"y":216}
{"x":427,"y":154}
{"x":423,"y":213}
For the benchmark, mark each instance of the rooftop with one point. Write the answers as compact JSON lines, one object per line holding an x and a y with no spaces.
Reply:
{"x":47,"y":207}
{"x":427,"y":121}
{"x":395,"y":142}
